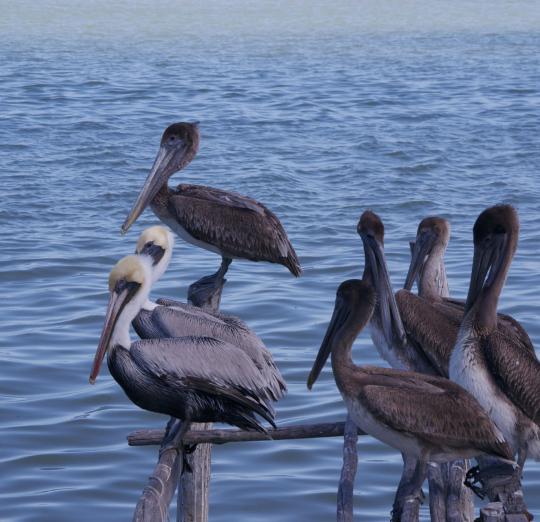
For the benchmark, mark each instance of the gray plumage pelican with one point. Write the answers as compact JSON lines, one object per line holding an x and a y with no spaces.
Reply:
{"x":194,"y":379}
{"x":168,"y":318}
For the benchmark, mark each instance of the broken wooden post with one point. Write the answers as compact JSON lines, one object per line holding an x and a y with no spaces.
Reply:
{"x":500,"y":481}
{"x":345,"y":497}
{"x":459,"y":498}
{"x":153,"y":506}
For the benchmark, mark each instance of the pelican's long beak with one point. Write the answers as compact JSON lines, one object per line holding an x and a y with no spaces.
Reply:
{"x":117,"y":301}
{"x":420,"y":249}
{"x":162,"y":169}
{"x":486,"y":259}
{"x":391,"y":318}
{"x":339,"y":317}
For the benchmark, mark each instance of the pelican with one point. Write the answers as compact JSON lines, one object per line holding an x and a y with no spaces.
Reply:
{"x":490,"y":362}
{"x":396,"y":347}
{"x":193,"y":379}
{"x":169,"y":318}
{"x":229,"y":224}
{"x":427,"y":418}
{"x":387,"y":330}
{"x":432,"y":319}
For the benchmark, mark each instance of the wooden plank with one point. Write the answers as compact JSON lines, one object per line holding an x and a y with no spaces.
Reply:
{"x":345,"y":496}
{"x":223,"y":436}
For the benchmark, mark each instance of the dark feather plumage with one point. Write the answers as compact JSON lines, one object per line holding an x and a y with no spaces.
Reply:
{"x":436,"y":410}
{"x":175,"y":319}
{"x":193,"y":379}
{"x":240,"y":227}
{"x":433,"y":327}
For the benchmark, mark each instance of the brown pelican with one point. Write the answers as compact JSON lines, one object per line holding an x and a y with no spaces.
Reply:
{"x":194,"y":379}
{"x":490,"y":362}
{"x":388,"y":335}
{"x":387,"y":331}
{"x":432,"y":318}
{"x":427,"y":418}
{"x":169,"y":318}
{"x":427,"y":259}
{"x":227,"y":223}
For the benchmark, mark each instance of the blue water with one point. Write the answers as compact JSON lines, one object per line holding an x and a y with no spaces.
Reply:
{"x":319,"y":113}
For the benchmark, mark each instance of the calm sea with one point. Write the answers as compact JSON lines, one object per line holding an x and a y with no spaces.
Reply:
{"x":320,"y":111}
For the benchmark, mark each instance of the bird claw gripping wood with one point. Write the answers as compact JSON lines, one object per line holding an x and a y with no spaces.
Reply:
{"x":473,"y":480}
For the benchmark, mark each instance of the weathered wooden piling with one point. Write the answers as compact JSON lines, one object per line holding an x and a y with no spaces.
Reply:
{"x":345,"y":497}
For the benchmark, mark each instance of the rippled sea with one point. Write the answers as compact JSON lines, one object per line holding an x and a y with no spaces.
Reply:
{"x":318,"y":112}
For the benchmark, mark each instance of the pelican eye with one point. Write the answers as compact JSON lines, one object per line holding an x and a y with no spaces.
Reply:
{"x":123,"y":284}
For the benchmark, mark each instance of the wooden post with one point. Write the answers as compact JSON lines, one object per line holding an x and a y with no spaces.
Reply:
{"x":493,"y":512}
{"x":459,"y":498}
{"x":501,"y":482}
{"x":345,"y":496}
{"x":194,"y":487}
{"x":192,"y":503}
{"x":153,"y":506}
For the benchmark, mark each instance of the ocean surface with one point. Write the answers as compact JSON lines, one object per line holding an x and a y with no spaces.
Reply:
{"x":318,"y":111}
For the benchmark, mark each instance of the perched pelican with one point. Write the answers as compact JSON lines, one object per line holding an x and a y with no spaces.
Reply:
{"x":388,"y":335}
{"x":490,"y":362}
{"x":227,"y":223}
{"x":427,"y":418}
{"x":387,"y":330}
{"x":169,"y":318}
{"x":427,"y":259}
{"x":194,"y":379}
{"x":432,"y":319}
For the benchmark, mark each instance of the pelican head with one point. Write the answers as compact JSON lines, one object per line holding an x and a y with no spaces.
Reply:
{"x":179,"y":144}
{"x":371,"y":230}
{"x":432,"y":237}
{"x":495,"y":236}
{"x":355,"y":301}
{"x":156,"y":242}
{"x":129,"y":285}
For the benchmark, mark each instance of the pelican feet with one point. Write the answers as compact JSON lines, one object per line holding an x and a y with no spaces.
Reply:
{"x":206,"y":292}
{"x":174,"y":433}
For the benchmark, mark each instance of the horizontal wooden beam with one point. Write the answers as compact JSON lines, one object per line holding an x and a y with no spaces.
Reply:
{"x":299,"y":431}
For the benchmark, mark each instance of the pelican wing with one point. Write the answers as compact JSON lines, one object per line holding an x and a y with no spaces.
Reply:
{"x":430,"y":329}
{"x":517,"y":372}
{"x":183,"y":319}
{"x":433,"y":409}
{"x":147,"y":327}
{"x":505,"y":323}
{"x":239,"y":226}
{"x":204,"y":364}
